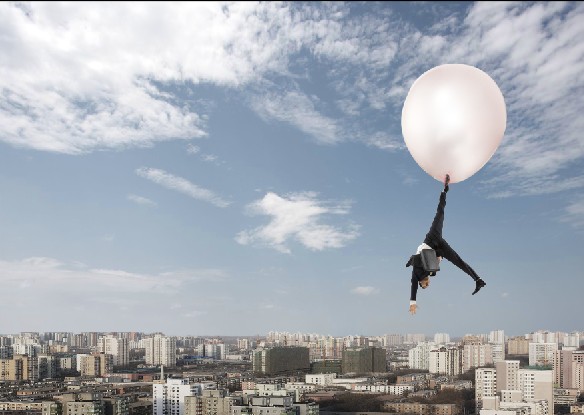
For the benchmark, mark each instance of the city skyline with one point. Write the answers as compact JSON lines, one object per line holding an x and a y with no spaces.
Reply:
{"x":498,"y":335}
{"x":239,"y":167}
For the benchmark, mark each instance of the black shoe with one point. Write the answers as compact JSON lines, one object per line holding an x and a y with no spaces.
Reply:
{"x":480,"y":284}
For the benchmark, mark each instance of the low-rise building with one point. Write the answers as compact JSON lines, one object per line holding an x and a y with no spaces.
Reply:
{"x":422,"y":408}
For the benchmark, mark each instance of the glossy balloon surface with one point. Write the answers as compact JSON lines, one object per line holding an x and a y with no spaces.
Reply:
{"x":453,"y":121}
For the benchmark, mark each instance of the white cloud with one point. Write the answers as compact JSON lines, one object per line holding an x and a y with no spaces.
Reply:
{"x":48,"y":274}
{"x":298,"y":110}
{"x":365,"y":290}
{"x":84,"y":76}
{"x":298,"y":217}
{"x":80,"y":76}
{"x":210,"y":158}
{"x":181,"y":185}
{"x":50,"y":284}
{"x":141,"y":200}
{"x":574,"y":214}
{"x":192,"y":149}
{"x":534,"y":51}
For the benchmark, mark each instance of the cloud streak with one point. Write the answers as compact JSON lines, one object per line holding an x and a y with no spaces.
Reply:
{"x":299,"y":110}
{"x":574,"y":213}
{"x":141,"y":200}
{"x":50,"y":275}
{"x":181,"y":185}
{"x":298,"y":217}
{"x":365,"y":291}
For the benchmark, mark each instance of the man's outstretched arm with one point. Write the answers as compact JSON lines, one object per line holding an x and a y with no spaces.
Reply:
{"x":413,"y":293}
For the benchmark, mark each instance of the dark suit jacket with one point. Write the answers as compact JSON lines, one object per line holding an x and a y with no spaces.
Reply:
{"x":418,"y":274}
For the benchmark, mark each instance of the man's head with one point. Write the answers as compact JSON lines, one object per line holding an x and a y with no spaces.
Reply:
{"x":424,"y":283}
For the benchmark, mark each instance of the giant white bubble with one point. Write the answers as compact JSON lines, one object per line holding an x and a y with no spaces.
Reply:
{"x":453,"y":121}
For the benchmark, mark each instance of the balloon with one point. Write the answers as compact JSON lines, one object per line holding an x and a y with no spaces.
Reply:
{"x":453,"y":121}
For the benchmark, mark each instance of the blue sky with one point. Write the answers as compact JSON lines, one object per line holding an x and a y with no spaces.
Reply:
{"x":236,"y":168}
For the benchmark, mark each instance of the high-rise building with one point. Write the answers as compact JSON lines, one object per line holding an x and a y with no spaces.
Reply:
{"x":447,"y":361}
{"x":20,"y":367}
{"x":117,"y":347}
{"x":95,"y":364}
{"x":29,"y":349}
{"x":518,"y":346}
{"x":569,"y":369}
{"x":571,"y":340}
{"x":543,"y":337}
{"x":497,"y":336}
{"x":542,"y":354}
{"x":168,"y":398}
{"x":394,"y":339}
{"x":6,"y":352}
{"x":537,"y":385}
{"x":507,"y":386}
{"x":441,"y":338}
{"x":498,"y":352}
{"x":47,"y":366}
{"x":476,"y":354}
{"x":419,"y":356}
{"x":364,"y":360}
{"x":507,"y":375}
{"x":281,"y":360}
{"x":414,"y":338}
{"x":485,"y":385}
{"x":160,"y":351}
{"x":214,"y":350}
{"x":243,"y":344}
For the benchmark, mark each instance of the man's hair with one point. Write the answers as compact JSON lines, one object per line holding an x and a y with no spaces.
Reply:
{"x":425,"y":279}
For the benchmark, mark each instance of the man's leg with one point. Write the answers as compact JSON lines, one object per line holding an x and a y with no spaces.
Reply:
{"x":435,"y":232}
{"x":451,"y":255}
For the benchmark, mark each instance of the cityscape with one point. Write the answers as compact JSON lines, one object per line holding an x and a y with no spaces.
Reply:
{"x":281,"y":373}
{"x":291,"y":208}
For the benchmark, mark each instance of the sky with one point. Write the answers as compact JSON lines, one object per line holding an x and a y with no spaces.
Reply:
{"x":237,"y":168}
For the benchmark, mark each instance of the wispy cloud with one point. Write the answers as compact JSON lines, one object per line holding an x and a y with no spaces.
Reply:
{"x":141,"y":200}
{"x":365,"y":291}
{"x":181,"y":185}
{"x":208,"y":275}
{"x":193,"y":149}
{"x":51,"y":284}
{"x":534,"y":51}
{"x":298,"y":217}
{"x":50,"y":274}
{"x":574,"y":214}
{"x":298,"y":110}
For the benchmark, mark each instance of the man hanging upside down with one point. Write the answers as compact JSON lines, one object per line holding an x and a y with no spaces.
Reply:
{"x":435,"y":241}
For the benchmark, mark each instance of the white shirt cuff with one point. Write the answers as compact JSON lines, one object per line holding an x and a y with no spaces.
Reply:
{"x":412,"y":302}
